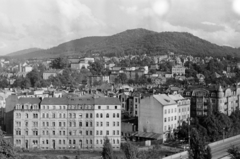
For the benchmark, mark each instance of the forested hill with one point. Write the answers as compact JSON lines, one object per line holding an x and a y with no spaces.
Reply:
{"x":137,"y":41}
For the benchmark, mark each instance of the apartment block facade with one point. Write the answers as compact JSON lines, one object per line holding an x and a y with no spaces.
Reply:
{"x":158,"y":114}
{"x":67,"y":123}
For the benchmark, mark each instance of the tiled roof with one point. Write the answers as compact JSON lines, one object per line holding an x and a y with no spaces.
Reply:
{"x":176,"y":97}
{"x":29,"y":100}
{"x":164,"y":99}
{"x":54,"y":101}
{"x":107,"y":101}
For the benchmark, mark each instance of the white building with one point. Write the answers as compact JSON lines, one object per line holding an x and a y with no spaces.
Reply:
{"x":183,"y":109}
{"x":158,"y":114}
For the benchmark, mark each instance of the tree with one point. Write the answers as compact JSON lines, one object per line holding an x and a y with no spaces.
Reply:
{"x":107,"y":152}
{"x":6,"y":149}
{"x":197,"y":145}
{"x":96,"y":68}
{"x":129,"y":150}
{"x":234,"y":152}
{"x":59,"y":63}
{"x":208,"y":153}
{"x":122,"y":78}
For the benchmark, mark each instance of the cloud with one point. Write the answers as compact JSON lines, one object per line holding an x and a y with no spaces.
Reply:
{"x":2,"y":45}
{"x":208,"y":23}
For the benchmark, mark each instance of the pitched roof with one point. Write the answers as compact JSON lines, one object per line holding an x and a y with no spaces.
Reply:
{"x":107,"y":101}
{"x":164,"y":99}
{"x":54,"y":101}
{"x":29,"y":100}
{"x":176,"y":97}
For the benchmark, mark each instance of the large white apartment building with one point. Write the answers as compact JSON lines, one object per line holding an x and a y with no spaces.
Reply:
{"x":158,"y":114}
{"x":67,"y":123}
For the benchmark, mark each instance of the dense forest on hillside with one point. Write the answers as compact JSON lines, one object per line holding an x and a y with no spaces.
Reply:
{"x":137,"y":41}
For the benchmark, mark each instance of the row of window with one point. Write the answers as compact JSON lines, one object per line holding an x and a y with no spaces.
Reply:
{"x":35,"y":115}
{"x":107,"y":115}
{"x":170,"y":118}
{"x":107,"y":124}
{"x":168,"y":111}
{"x":107,"y":132}
{"x":70,"y":133}
{"x":170,"y":127}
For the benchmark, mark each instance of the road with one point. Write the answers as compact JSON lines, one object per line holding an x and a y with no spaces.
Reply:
{"x":219,"y":151}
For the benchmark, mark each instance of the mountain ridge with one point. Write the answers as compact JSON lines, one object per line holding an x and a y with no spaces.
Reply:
{"x":136,"y":41}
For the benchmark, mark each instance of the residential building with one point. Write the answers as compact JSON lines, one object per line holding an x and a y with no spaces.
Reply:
{"x":157,"y":114}
{"x":67,"y":123}
{"x":48,"y":73}
{"x":183,"y":109}
{"x":178,"y":70}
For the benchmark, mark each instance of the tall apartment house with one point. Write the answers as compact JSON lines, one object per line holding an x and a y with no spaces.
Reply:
{"x":67,"y":123}
{"x":160,"y":115}
{"x":205,"y":100}
{"x":130,"y":102}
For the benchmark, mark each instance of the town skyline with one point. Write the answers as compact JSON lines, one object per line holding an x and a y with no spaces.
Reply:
{"x":45,"y":24}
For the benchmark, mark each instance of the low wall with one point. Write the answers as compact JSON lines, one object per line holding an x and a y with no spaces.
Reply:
{"x":185,"y":153}
{"x":178,"y":155}
{"x":225,"y":140}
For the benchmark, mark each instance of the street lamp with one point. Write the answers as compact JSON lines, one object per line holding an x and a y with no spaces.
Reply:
{"x":223,"y":133}
{"x":189,"y":134}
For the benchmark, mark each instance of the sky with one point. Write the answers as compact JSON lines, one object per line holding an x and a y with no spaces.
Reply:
{"x":46,"y":23}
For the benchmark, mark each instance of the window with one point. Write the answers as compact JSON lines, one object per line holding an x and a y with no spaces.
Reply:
{"x":70,"y":115}
{"x":47,"y":116}
{"x":101,"y":123}
{"x":80,"y":123}
{"x":60,"y":124}
{"x":43,"y":115}
{"x":97,"y":123}
{"x":26,"y":124}
{"x":107,"y":132}
{"x":165,"y":119}
{"x":113,"y":115}
{"x":97,"y":132}
{"x":59,"y":142}
{"x":26,"y":132}
{"x":113,"y":123}
{"x":101,"y":132}
{"x":70,"y":142}
{"x":53,"y":124}
{"x":113,"y":132}
{"x":117,"y":132}
{"x":60,"y":115}
{"x":107,"y":107}
{"x":46,"y":141}
{"x":107,"y":123}
{"x":86,"y":115}
{"x":117,"y":115}
{"x":86,"y":124}
{"x":63,"y":141}
{"x":26,"y":115}
{"x":165,"y":112}
{"x":115,"y":107}
{"x":90,"y":124}
{"x":107,"y":115}
{"x":101,"y":115}
{"x":99,"y":107}
{"x":90,"y":115}
{"x":97,"y":141}
{"x":80,"y":132}
{"x":86,"y":132}
{"x":74,"y":141}
{"x":90,"y":132}
{"x":53,"y":132}
{"x":118,"y":123}
{"x":97,"y":115}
